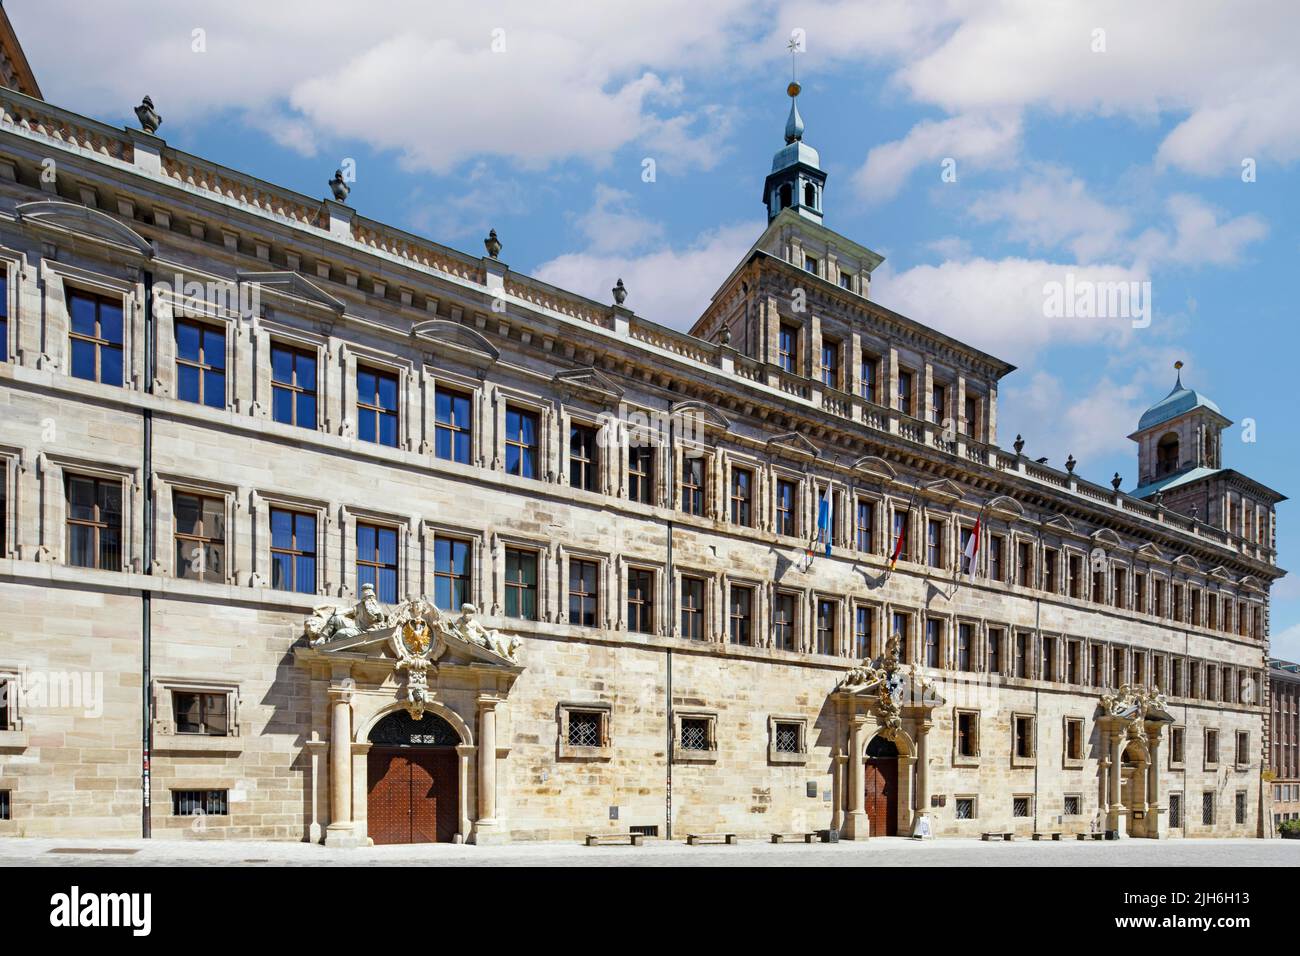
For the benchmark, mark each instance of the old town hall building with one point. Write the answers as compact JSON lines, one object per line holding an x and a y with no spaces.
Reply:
{"x":314,"y":529}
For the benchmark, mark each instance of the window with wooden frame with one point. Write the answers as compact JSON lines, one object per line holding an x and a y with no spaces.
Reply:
{"x":904,"y":395}
{"x":377,"y":560}
{"x":1139,"y":592}
{"x":993,"y":659}
{"x":1025,"y":564}
{"x":938,"y":403}
{"x":1097,"y":667}
{"x":95,"y":337}
{"x":202,"y":713}
{"x":864,"y":627}
{"x":452,"y":578}
{"x":830,"y":363}
{"x":901,"y":627}
{"x":1075,"y":564}
{"x":521,"y":584}
{"x":1243,"y":749}
{"x":1072,"y":740}
{"x":293,"y":385}
{"x":584,"y":592}
{"x":200,"y":533}
{"x":641,"y":600}
{"x":1211,"y":747}
{"x":4,"y":316}
{"x":200,"y":363}
{"x":784,"y":621}
{"x":997,"y":547}
{"x":1074,"y":662}
{"x":1120,"y":578}
{"x":865,"y":525}
{"x":583,"y":473}
{"x":1049,"y":661}
{"x":94,"y":520}
{"x":692,"y":608}
{"x":934,"y":543}
{"x":740,"y":615}
{"x":523,"y":435}
{"x":787,"y":348}
{"x":972,"y":422}
{"x":640,"y":473}
{"x":453,"y":425}
{"x":787,"y":506}
{"x":827,"y":616}
{"x":742,"y":497}
{"x":967,"y":739}
{"x":1022,"y":656}
{"x":933,"y":652}
{"x":693,"y":485}
{"x":869,"y":381}
{"x":1051,"y":559}
{"x":1022,"y":738}
{"x":377,"y":409}
{"x":965,"y":658}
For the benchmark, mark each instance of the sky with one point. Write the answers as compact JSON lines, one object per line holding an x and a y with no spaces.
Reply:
{"x":987,"y":149}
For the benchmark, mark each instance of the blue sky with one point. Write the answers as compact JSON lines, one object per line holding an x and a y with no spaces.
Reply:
{"x":1089,"y":139}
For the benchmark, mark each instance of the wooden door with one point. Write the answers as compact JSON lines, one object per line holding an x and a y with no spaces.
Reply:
{"x":413,"y":795}
{"x":882,"y":797}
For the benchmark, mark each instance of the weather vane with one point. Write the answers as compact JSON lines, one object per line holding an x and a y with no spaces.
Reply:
{"x":795,"y":48}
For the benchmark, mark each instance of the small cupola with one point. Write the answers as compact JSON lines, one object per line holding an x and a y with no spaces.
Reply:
{"x":1179,"y":433}
{"x":797,"y":180}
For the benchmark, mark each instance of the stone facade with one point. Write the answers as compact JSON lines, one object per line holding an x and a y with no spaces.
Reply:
{"x":1282,"y":766}
{"x":622,"y":706}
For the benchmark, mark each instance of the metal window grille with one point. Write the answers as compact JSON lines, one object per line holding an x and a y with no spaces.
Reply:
{"x":1207,"y":808}
{"x":1241,"y":808}
{"x":787,"y":738}
{"x":650,"y":830}
{"x":1020,"y":806}
{"x":695,"y":734}
{"x":192,"y":803}
{"x":584,"y":729}
{"x":1176,"y":810}
{"x":4,"y":804}
{"x":1072,"y":805}
{"x":965,"y":808}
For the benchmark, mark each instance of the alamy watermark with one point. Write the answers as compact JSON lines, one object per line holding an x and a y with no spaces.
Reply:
{"x":1090,"y":299}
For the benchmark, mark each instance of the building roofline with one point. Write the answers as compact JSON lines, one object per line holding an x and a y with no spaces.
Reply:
{"x":18,"y":57}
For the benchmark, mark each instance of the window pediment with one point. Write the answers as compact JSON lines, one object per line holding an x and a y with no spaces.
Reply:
{"x":793,"y":442}
{"x":293,"y":285}
{"x":457,"y":339}
{"x":873,"y":465}
{"x":84,"y":222}
{"x":590,"y":381}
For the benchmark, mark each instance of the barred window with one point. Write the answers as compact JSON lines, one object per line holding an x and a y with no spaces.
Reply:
{"x":1020,"y":806}
{"x":965,"y":808}
{"x":695,"y":733}
{"x":1240,"y":807}
{"x":4,"y":805}
{"x":1176,"y":810}
{"x":1207,"y":808}
{"x":584,"y":728}
{"x":1072,"y":802}
{"x":193,"y":803}
{"x":787,"y":737}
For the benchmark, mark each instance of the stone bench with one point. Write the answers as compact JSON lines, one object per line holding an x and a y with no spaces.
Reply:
{"x":700,"y":839}
{"x":794,"y":837}
{"x":1099,"y":835}
{"x":615,"y":839}
{"x":1054,"y":835}
{"x":993,"y":835}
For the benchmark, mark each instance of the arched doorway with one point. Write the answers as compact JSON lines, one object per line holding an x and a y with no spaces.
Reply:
{"x":413,"y":780}
{"x":881,"y":774}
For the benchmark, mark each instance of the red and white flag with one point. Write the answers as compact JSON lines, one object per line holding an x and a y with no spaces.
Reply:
{"x":972,"y":549}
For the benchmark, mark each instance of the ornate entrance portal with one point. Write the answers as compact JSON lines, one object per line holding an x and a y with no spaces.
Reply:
{"x":412,"y":777}
{"x":881,"y":772}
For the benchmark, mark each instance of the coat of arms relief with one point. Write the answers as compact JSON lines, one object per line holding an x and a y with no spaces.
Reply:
{"x":415,"y":632}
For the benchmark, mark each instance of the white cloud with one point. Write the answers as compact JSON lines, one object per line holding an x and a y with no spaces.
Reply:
{"x":1198,"y":236}
{"x":671,"y":286}
{"x":977,"y":141}
{"x":1286,"y":643}
{"x":612,"y":226}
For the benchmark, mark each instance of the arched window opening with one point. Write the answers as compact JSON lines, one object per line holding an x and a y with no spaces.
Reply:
{"x":1167,"y":455}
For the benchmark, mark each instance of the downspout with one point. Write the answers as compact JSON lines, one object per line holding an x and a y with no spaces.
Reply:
{"x":146,"y":595}
{"x":672,"y":616}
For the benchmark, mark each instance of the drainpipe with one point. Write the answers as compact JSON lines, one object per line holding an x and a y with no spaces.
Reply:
{"x":146,"y":595}
{"x":672,"y":615}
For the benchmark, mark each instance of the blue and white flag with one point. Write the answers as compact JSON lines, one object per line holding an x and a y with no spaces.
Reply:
{"x":825,"y":515}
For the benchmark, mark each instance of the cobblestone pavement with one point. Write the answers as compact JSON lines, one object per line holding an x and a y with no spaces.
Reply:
{"x":889,"y":852}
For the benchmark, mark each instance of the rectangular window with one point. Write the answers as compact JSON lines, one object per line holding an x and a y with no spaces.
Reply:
{"x":1211,"y":747}
{"x":1024,"y":736}
{"x":200,"y":537}
{"x":95,"y":336}
{"x":1176,"y":811}
{"x":582,"y":457}
{"x":201,"y":713}
{"x":826,"y":615}
{"x":902,"y":626}
{"x":995,"y":558}
{"x":1139,"y":592}
{"x":1212,"y":603}
{"x":1096,"y":671}
{"x":521,"y":584}
{"x":1098,"y":587}
{"x":1020,"y":806}
{"x":787,"y":503}
{"x":1239,"y":805}
{"x":584,"y":728}
{"x":377,"y":406}
{"x":199,"y":803}
{"x":1025,"y":564}
{"x":863,"y":628}
{"x":994,"y":659}
{"x":293,"y":386}
{"x":1178,"y":602}
{"x":1073,"y":739}
{"x":1158,"y":596}
{"x":1176,"y":678}
{"x":1158,"y":671}
{"x":695,"y":733}
{"x":1243,"y":748}
{"x":693,"y":608}
{"x":965,"y":808}
{"x":1117,"y":678}
{"x":1196,"y":605}
{"x":4,"y":805}
{"x":972,"y":424}
{"x":377,"y":561}
{"x":1072,"y":804}
{"x":1177,"y":745}
{"x":938,"y":403}
{"x":846,"y":281}
{"x":785,"y":737}
{"x":830,"y":363}
{"x":1207,"y":808}
{"x":1194,"y":679}
{"x":965,"y":647}
{"x":899,"y":538}
{"x":870,"y":378}
{"x":905,"y":392}
{"x":865,"y":524}
{"x":4,"y":317}
{"x":522,"y":433}
{"x":1022,"y":655}
{"x":640,"y":600}
{"x":787,"y":348}
{"x":1121,"y":589}
{"x":1073,"y":662}
{"x":933,"y":643}
{"x":200,"y":364}
{"x":640,"y":473}
{"x":453,"y":428}
{"x":967,"y":733}
{"x":741,"y":615}
{"x":742,"y":496}
{"x":94,"y":522}
{"x":1049,"y":658}
{"x":1050,"y":559}
{"x":693,"y":486}
{"x":451,"y":573}
{"x":783,"y":622}
{"x":584,"y":592}
{"x":1139,"y":668}
{"x":1076,"y":576}
{"x":934,"y":543}
{"x":810,"y":264}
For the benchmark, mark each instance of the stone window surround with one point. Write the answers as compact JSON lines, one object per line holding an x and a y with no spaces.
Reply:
{"x":204,"y":314}
{"x":52,"y":470}
{"x":1011,"y":560}
{"x":1023,"y":796}
{"x":710,"y":633}
{"x":804,"y":526}
{"x":1004,"y":647}
{"x":1212,"y":757}
{"x":166,"y":487}
{"x":908,"y":641}
{"x":659,"y":599}
{"x":661,"y":468}
{"x":352,"y":357}
{"x":759,"y":612}
{"x":61,"y":279}
{"x":708,"y":491}
{"x":974,"y":805}
{"x":959,"y":759}
{"x":1175,"y":763}
{"x":11,"y":264}
{"x":839,"y":639}
{"x":15,"y":738}
{"x":1064,"y":797}
{"x":977,"y":638}
{"x":944,"y":518}
{"x":798,"y":627}
{"x":166,"y":739}
{"x":1068,"y":762}
{"x":758,"y":518}
{"x":542,"y":549}
{"x":350,"y":517}
{"x":439,"y":379}
{"x":945,"y":622}
{"x":1237,"y":748}
{"x":261,"y":503}
{"x":878,"y":503}
{"x":430,"y":532}
{"x":1032,"y":759}
{"x":272,"y":334}
{"x":605,"y":574}
{"x":709,"y":755}
{"x":782,"y":757}
{"x":567,"y":751}
{"x":12,"y":464}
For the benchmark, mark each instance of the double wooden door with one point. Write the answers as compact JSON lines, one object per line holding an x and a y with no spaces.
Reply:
{"x":413,"y":794}
{"x":882,"y":796}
